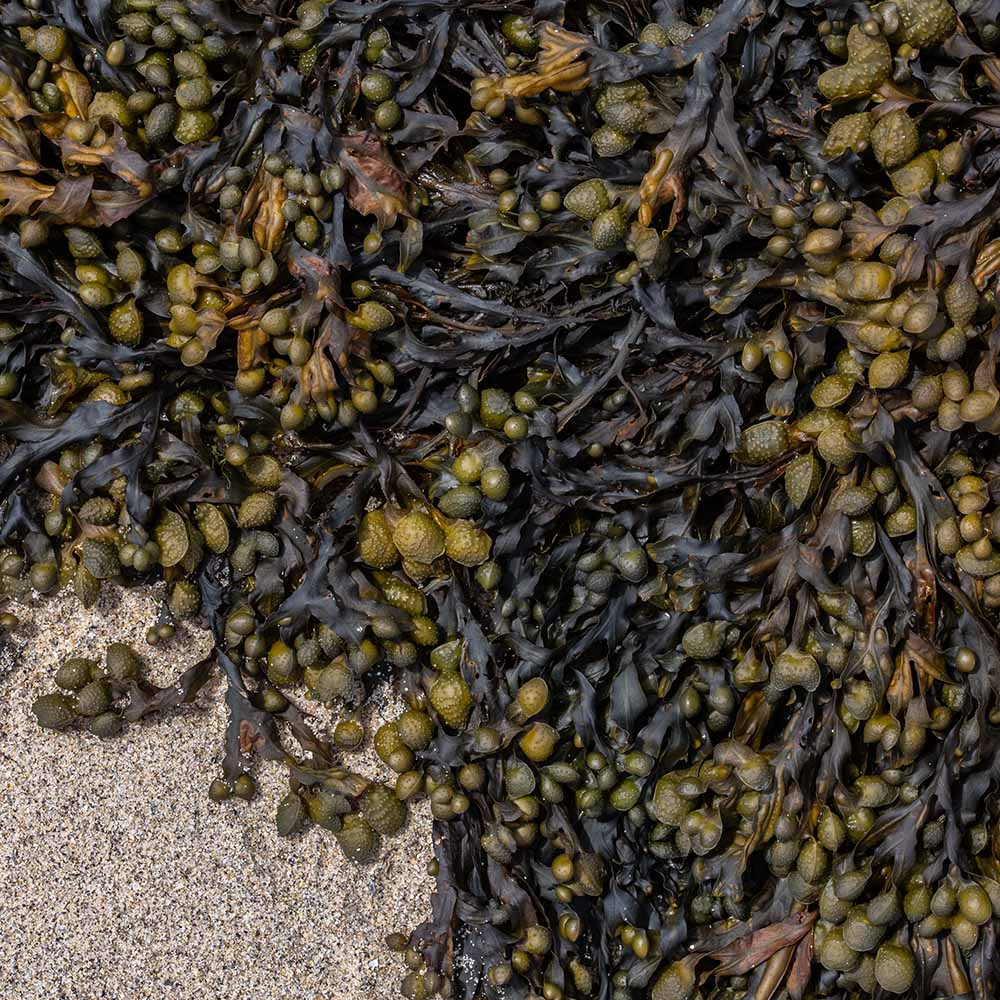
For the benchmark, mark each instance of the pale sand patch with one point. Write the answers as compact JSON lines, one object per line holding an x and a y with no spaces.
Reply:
{"x":120,"y":880}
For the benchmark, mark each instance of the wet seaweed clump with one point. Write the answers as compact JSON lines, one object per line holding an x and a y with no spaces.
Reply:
{"x":616,"y":380}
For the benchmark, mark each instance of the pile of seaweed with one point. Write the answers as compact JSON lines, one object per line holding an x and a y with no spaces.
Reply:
{"x":617,"y":380}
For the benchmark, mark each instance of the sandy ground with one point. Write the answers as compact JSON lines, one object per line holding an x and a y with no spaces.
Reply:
{"x":120,"y":880}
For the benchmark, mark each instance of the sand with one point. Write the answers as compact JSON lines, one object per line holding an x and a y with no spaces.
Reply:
{"x":120,"y":880}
